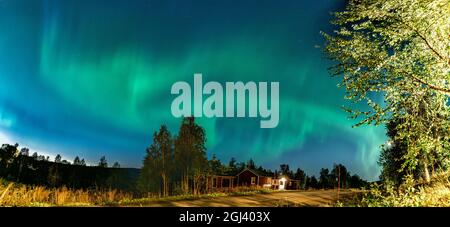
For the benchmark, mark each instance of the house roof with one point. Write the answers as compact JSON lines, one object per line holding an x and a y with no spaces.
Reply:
{"x":254,"y":171}
{"x":215,"y":175}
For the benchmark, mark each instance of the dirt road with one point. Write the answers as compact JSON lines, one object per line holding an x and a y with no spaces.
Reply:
{"x":287,"y":198}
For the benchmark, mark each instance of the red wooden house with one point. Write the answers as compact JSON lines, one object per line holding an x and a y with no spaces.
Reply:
{"x":253,"y":178}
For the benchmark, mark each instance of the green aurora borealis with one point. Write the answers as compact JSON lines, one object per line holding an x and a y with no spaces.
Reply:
{"x":93,"y":78}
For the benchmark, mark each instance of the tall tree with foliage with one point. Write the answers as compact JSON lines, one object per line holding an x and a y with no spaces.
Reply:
{"x":339,"y":176}
{"x":158,"y":164}
{"x":391,"y":158}
{"x":251,"y":164}
{"x":399,"y":50}
{"x":232,"y":168}
{"x":301,"y":176}
{"x":190,"y":155}
{"x":285,"y":171}
{"x":149,"y":179}
{"x":324,"y":179}
{"x":162,"y":149}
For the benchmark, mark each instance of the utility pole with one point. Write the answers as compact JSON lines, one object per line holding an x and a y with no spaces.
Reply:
{"x":339,"y":180}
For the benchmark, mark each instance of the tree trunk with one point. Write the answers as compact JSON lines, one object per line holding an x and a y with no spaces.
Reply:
{"x":426,"y":173}
{"x":164,"y":185}
{"x":185,"y":182}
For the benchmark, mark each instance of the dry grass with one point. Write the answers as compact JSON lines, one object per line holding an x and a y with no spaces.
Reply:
{"x":13,"y":194}
{"x":20,"y":195}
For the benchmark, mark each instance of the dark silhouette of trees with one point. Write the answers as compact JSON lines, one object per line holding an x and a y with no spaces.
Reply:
{"x":7,"y":156}
{"x":232,"y":168}
{"x":103,"y":163}
{"x":77,"y":161}
{"x":251,"y":164}
{"x":324,"y":179}
{"x":116,"y":165}
{"x":54,"y":176}
{"x":339,"y":176}
{"x":24,"y":151}
{"x":216,"y":166}
{"x":301,"y":176}
{"x":266,"y":172}
{"x":41,"y":158}
{"x":17,"y":166}
{"x":356,"y":182}
{"x":58,"y":158}
{"x":286,"y":171}
{"x":313,"y":183}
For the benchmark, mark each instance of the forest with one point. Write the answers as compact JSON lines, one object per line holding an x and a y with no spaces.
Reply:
{"x":16,"y":165}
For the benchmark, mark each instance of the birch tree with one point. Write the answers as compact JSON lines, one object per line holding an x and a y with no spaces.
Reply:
{"x":399,"y":50}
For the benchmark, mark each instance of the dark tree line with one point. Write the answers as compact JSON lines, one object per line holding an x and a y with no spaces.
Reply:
{"x":16,"y":165}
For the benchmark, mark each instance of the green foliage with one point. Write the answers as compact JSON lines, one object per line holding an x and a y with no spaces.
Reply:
{"x":190,"y":156}
{"x":158,"y":164}
{"x":399,"y":50}
{"x":176,"y":164}
{"x":409,"y":194}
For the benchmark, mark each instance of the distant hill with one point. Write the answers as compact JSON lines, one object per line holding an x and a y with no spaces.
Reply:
{"x":29,"y":170}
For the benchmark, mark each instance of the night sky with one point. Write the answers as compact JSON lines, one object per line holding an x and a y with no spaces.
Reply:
{"x":93,"y":78}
